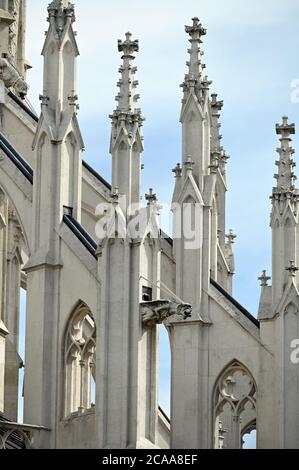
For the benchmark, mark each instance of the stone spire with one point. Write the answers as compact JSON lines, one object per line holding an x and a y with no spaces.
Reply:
{"x":127,"y":98}
{"x":196,"y":31}
{"x":285,"y":176}
{"x":216,"y":107}
{"x":216,"y":136}
{"x":60,"y":94}
{"x":58,"y":122}
{"x":196,"y":125}
{"x":194,"y":78}
{"x":284,"y":217}
{"x":126,"y":143}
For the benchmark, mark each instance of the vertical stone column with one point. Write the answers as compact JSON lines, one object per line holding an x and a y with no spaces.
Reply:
{"x":3,"y":334}
{"x":12,"y":313}
{"x":3,"y":246}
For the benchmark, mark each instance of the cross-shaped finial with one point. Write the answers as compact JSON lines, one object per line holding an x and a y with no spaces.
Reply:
{"x":292,"y":269}
{"x":189,"y":164}
{"x":177,"y":171}
{"x":264,"y":278}
{"x":231,"y":237}
{"x":151,"y":197}
{"x":128,"y":47}
{"x":285,"y":129}
{"x":196,"y":30}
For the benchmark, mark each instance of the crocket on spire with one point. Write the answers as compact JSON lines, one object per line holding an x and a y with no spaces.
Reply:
{"x":127,"y":98}
{"x":285,"y":177}
{"x":194,"y":78}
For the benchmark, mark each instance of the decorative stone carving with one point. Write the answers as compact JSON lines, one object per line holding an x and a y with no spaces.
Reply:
{"x":234,"y":406}
{"x":264,"y":278}
{"x":12,"y":78}
{"x":14,"y":29}
{"x":16,"y":436}
{"x":292,"y":269}
{"x":285,"y":177}
{"x":151,"y":198}
{"x":80,"y":364}
{"x":156,"y":312}
{"x":60,"y":13}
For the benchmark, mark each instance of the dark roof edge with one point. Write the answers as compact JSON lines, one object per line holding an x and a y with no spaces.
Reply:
{"x":235,"y":303}
{"x":22,"y":105}
{"x":166,"y":237}
{"x":164,"y":414}
{"x":96,"y":175}
{"x":81,"y":234}
{"x":16,"y":158}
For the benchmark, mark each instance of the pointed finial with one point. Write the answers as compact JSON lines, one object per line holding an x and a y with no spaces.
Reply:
{"x":127,"y":98}
{"x":151,"y":197}
{"x":206,"y":83}
{"x":196,"y":31}
{"x":285,"y":177}
{"x":178,"y":171}
{"x":285,"y":129}
{"x":128,"y":47}
{"x":264,"y":278}
{"x":231,"y":237}
{"x":292,"y":269}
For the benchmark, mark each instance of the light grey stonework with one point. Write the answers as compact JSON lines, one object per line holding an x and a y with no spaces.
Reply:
{"x":94,"y":307}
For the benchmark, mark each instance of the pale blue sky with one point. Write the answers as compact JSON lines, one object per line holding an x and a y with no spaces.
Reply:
{"x":251,"y":52}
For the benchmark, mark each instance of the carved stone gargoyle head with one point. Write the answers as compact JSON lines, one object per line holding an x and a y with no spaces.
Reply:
{"x":12,"y":78}
{"x":154,"y":313}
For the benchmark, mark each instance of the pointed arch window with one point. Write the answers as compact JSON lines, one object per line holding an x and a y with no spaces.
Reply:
{"x":234,"y":407}
{"x":80,"y":365}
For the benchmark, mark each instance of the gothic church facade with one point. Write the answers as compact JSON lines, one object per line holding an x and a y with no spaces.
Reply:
{"x":95,"y":304}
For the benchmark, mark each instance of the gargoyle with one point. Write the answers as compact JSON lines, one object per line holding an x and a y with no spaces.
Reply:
{"x":12,"y":78}
{"x":154,"y":313}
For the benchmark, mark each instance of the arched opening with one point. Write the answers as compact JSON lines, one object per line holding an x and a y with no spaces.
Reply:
{"x":79,"y":361}
{"x":249,"y":436}
{"x":165,"y":370}
{"x":14,"y":252}
{"x":234,"y":407}
{"x":22,"y":331}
